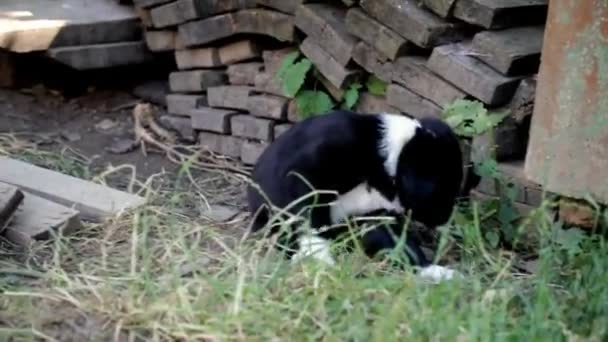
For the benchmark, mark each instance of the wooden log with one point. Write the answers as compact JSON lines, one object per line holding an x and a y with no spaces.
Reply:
{"x":10,"y":198}
{"x":36,"y":217}
{"x":453,"y":63}
{"x":268,"y":106}
{"x":442,"y":8}
{"x":285,"y":6}
{"x":232,"y":97}
{"x":248,"y":126}
{"x":251,"y":151}
{"x":95,"y":202}
{"x":196,"y":80}
{"x":337,"y":74}
{"x":413,"y":22}
{"x":411,"y":103}
{"x":253,"y":21}
{"x":181,"y":104}
{"x":412,"y":73}
{"x":325,"y":24}
{"x":244,"y":73}
{"x":495,"y":14}
{"x":160,"y":41}
{"x":239,"y":52}
{"x":207,"y":57}
{"x":384,"y":40}
{"x":212,"y":119}
{"x":373,"y":62}
{"x":223,"y":144}
{"x":511,"y":51}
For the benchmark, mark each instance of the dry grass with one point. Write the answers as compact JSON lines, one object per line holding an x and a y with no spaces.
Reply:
{"x":163,"y":273}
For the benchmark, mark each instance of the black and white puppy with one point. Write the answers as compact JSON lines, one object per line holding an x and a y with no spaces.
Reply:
{"x":386,"y":162}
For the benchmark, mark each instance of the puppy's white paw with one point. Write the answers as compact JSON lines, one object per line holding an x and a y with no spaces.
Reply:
{"x":316,"y":247}
{"x":436,"y":273}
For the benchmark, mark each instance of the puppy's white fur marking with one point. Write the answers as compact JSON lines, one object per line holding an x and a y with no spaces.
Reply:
{"x":359,"y":201}
{"x":397,"y":130}
{"x":436,"y":273}
{"x":316,"y":247}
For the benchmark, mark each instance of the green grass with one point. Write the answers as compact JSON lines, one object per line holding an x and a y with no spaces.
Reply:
{"x":162,"y":273}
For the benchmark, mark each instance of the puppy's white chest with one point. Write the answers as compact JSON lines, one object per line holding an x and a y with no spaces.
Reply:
{"x":359,"y":201}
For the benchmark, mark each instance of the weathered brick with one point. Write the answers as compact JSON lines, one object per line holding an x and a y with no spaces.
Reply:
{"x":233,"y":97}
{"x":238,"y":52}
{"x":266,"y":83}
{"x":411,"y":72}
{"x":268,"y":106}
{"x":453,"y":63}
{"x":324,"y":23}
{"x":196,"y":80}
{"x":222,"y":144}
{"x":145,"y":16}
{"x":251,"y":151}
{"x":281,"y":128}
{"x":495,"y":14}
{"x":413,"y":22}
{"x":522,"y":103}
{"x":373,"y":104}
{"x":160,"y":41}
{"x":180,"y":124}
{"x":337,"y":74}
{"x":511,"y":51}
{"x":181,"y":11}
{"x":248,"y":126}
{"x":336,"y":93}
{"x":411,"y":103}
{"x":373,"y":62}
{"x":211,"y":119}
{"x":381,"y":38}
{"x":181,"y":104}
{"x":208,"y":57}
{"x":293,"y":114}
{"x":149,"y":3}
{"x":244,"y":73}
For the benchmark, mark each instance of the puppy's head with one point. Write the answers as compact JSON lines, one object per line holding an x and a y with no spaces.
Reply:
{"x":429,"y":172}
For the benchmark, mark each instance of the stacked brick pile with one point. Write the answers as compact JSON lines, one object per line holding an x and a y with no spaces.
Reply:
{"x":430,"y":52}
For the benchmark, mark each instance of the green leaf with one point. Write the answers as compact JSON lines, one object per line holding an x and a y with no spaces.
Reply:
{"x":492,"y":238}
{"x":376,"y":86}
{"x":295,"y":76}
{"x":570,"y":239}
{"x":311,"y":103}
{"x":287,"y":63}
{"x":351,"y":96}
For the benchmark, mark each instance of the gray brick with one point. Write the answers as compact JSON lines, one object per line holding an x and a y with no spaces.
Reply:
{"x":337,"y":74}
{"x":251,"y":151}
{"x":211,"y":119}
{"x":233,"y":97}
{"x":181,"y":104}
{"x":244,"y":73}
{"x":222,"y":144}
{"x":495,"y":14}
{"x":268,"y":106}
{"x":180,"y":124}
{"x":411,"y":103}
{"x":196,"y":80}
{"x":281,"y":128}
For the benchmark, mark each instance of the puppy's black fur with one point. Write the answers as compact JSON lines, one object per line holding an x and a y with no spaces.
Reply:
{"x":341,"y":150}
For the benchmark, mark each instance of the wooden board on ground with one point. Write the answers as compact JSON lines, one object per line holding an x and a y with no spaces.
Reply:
{"x":36,"y":217}
{"x":10,"y":198}
{"x":95,"y":202}
{"x":89,"y":57}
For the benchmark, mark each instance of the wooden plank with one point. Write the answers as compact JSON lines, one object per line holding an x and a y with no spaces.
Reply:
{"x":36,"y":217}
{"x":373,"y":62}
{"x":495,"y":14}
{"x":181,"y":11}
{"x":252,"y":21}
{"x":10,"y":198}
{"x":511,"y":51}
{"x":413,"y":22}
{"x":239,"y":51}
{"x":411,"y":103}
{"x":207,"y":57}
{"x":378,"y":36}
{"x":442,"y":8}
{"x":95,"y":202}
{"x":412,"y":73}
{"x":89,"y":57}
{"x":244,"y":73}
{"x":454,"y":64}
{"x":337,"y":74}
{"x":325,"y":23}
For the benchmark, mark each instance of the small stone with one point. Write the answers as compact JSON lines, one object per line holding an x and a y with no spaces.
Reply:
{"x":71,"y":136}
{"x":122,"y":146}
{"x":106,"y":125}
{"x":219,"y":213}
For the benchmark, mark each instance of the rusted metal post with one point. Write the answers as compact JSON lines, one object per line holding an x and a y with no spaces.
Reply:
{"x":568,"y":148}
